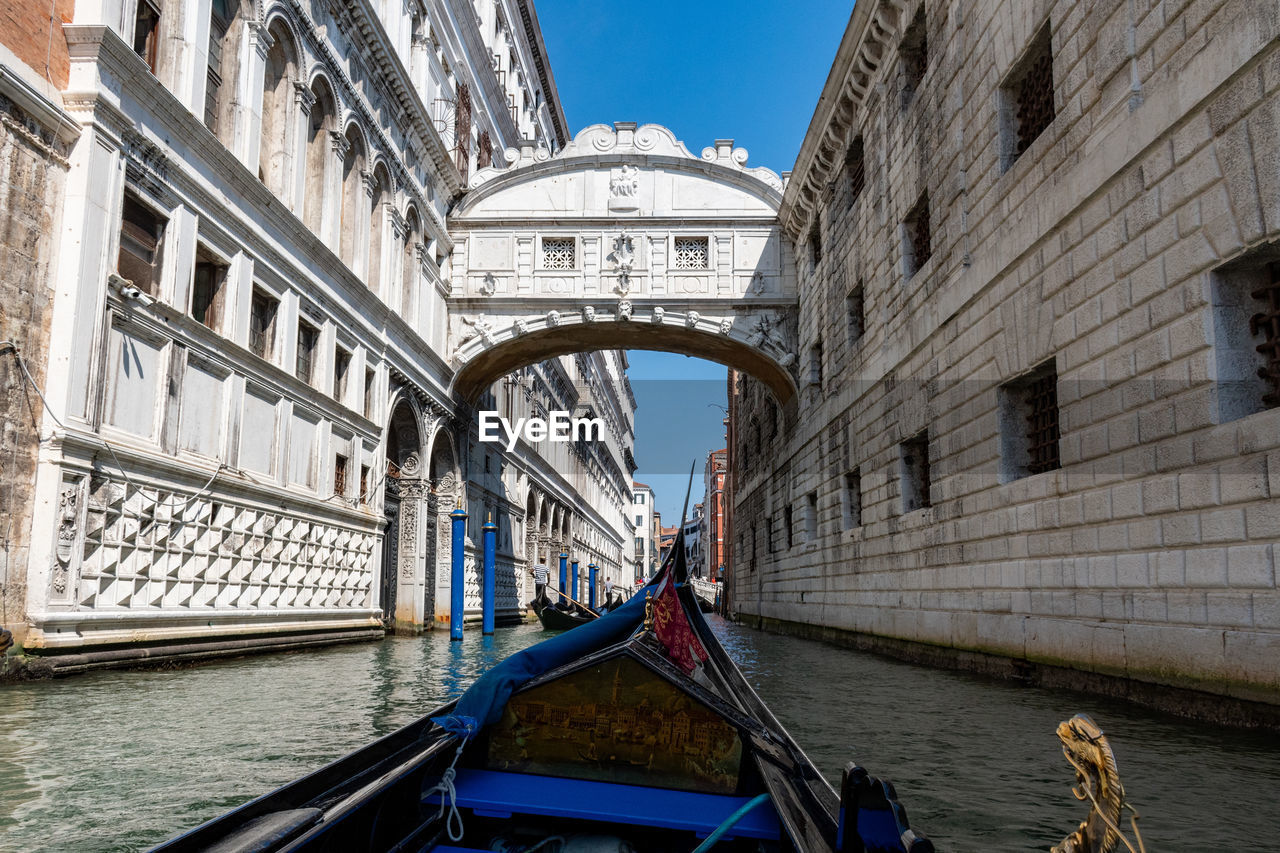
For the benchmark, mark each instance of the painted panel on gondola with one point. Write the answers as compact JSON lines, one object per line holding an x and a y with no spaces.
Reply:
{"x":617,"y":722}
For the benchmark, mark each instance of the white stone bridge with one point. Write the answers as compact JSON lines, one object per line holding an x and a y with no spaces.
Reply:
{"x":622,"y":240}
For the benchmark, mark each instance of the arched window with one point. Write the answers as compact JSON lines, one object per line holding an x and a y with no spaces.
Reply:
{"x":410,"y":267}
{"x":226,"y":30}
{"x":323,"y":117}
{"x":273,"y":149}
{"x":353,"y":196}
{"x":377,"y":224}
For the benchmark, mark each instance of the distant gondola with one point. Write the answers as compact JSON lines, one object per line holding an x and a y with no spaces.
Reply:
{"x":555,"y":619}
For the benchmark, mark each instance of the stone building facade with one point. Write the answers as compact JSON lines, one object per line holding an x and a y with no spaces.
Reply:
{"x":251,"y":438}
{"x":1039,"y":348}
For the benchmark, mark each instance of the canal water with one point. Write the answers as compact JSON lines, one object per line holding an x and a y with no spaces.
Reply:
{"x":122,"y":760}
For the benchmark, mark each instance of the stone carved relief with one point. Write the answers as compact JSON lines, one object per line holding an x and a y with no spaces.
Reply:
{"x":691,"y":319}
{"x":624,"y":309}
{"x":624,"y":188}
{"x":553,"y":318}
{"x":67,"y":535}
{"x":757,"y":282}
{"x":520,"y":327}
{"x":726,"y":325}
{"x":479,"y":327}
{"x":489,"y":285}
{"x":408,"y":537}
{"x":588,"y":314}
{"x":658,"y":313}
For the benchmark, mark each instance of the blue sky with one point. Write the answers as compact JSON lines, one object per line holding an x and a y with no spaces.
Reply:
{"x":747,"y":71}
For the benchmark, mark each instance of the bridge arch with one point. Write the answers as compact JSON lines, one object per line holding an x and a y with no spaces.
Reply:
{"x":622,"y":240}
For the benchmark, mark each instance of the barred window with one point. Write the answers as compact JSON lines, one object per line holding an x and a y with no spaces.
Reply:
{"x":308,"y":337}
{"x":207,"y":289}
{"x":914,"y":472}
{"x":855,"y":308}
{"x":1266,"y":324}
{"x":559,"y":253}
{"x":141,"y":245}
{"x":341,"y":365}
{"x":855,"y":166}
{"x":1029,"y":424}
{"x":914,"y":50}
{"x":1246,"y":334}
{"x":918,"y":244}
{"x":1027,"y":95}
{"x":692,"y":253}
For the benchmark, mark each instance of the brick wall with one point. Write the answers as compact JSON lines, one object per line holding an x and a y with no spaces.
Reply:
{"x":36,"y":39}
{"x":1151,"y":553}
{"x":32,"y":166}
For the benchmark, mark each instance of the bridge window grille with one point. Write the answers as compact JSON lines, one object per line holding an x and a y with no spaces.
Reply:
{"x":915,"y":474}
{"x":1042,"y":423}
{"x":1245,"y":313}
{"x":559,"y":253}
{"x":918,"y":243}
{"x":855,"y":165}
{"x":1028,"y":98}
{"x":692,"y":253}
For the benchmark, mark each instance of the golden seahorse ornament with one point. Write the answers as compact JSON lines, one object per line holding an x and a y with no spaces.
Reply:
{"x":1098,"y":781}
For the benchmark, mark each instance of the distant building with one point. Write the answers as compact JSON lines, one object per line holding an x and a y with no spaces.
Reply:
{"x":666,"y":539}
{"x":693,"y":541}
{"x":644,"y":517}
{"x":713,"y":525}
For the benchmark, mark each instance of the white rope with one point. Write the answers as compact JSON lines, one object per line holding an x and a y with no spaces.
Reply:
{"x":449,"y":796}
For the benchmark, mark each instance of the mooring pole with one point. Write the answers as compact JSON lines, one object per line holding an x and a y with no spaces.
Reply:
{"x":457,"y":577}
{"x":564,"y":575}
{"x":591,"y":589}
{"x":490,"y":547}
{"x":575,"y":581}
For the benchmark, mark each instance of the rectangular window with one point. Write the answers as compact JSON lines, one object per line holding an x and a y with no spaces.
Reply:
{"x":754,"y":539}
{"x":308,"y":337}
{"x":370,"y":392}
{"x":811,"y":517}
{"x":340,"y":475}
{"x":146,"y":32}
{"x":917,"y":245}
{"x":815,"y":364}
{"x":769,"y":535}
{"x":219,"y":23}
{"x":914,"y":472}
{"x":1026,"y":99}
{"x":914,"y":52}
{"x":787,"y":521}
{"x":855,"y":166}
{"x":206,"y":289}
{"x":692,"y":253}
{"x":559,"y":253}
{"x":855,"y":308}
{"x":815,"y":243}
{"x":262,"y":324}
{"x":851,"y":499}
{"x":1029,"y":424}
{"x":364,"y":484}
{"x":1245,"y":298}
{"x":341,"y":366}
{"x":141,"y":245}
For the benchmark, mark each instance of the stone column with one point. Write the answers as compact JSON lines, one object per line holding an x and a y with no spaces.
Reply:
{"x":296,"y":168}
{"x":331,"y":215}
{"x":246,"y":132}
{"x":446,"y":491}
{"x":409,"y":573}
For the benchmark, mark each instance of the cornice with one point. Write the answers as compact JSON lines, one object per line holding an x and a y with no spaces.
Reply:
{"x":869,"y":42}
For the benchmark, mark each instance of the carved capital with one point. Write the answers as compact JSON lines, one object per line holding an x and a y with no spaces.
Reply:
{"x":305,"y":98}
{"x":339,"y":144}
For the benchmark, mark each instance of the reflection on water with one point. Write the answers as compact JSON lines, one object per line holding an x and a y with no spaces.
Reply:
{"x":122,"y":760}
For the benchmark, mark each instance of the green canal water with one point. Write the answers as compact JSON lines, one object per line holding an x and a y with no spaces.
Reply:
{"x":123,"y":760}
